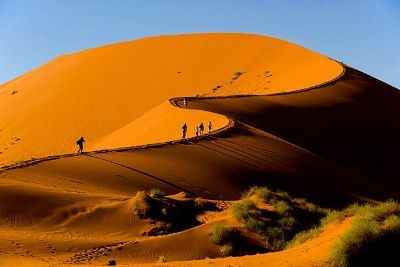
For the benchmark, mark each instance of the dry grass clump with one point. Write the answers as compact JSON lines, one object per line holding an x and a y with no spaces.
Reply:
{"x":156,"y":193}
{"x":372,"y":239}
{"x":221,"y":235}
{"x":225,"y":236}
{"x":278,"y":227}
{"x":168,"y":215}
{"x":227,"y":250}
{"x":161,"y":259}
{"x":141,"y":205}
{"x":262,"y":193}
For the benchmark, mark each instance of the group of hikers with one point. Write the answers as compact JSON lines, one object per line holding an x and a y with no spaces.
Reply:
{"x":199,"y":130}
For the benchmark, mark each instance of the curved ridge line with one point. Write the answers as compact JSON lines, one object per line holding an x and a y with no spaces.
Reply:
{"x":173,"y":101}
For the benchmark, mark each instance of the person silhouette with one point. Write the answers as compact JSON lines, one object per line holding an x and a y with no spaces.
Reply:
{"x":184,"y":130}
{"x":185,"y":102}
{"x":196,"y":131}
{"x":201,"y":128}
{"x":80,"y":144}
{"x":210,"y":126}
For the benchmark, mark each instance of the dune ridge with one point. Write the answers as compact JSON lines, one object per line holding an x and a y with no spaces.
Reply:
{"x":111,"y":87}
{"x":176,"y":102}
{"x":301,"y":135}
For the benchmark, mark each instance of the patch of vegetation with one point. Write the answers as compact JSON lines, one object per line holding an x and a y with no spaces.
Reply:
{"x":227,"y":250}
{"x":14,"y":92}
{"x":263,"y":193}
{"x":372,"y":239}
{"x":277,"y":227}
{"x":166,"y":214}
{"x":156,"y":192}
{"x":162,"y":259}
{"x":142,"y":205}
{"x":221,"y":235}
{"x":331,"y":216}
{"x":225,"y":236}
{"x":246,"y":210}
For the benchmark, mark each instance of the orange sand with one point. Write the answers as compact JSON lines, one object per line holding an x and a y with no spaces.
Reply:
{"x":333,"y":144}
{"x":107,"y":94}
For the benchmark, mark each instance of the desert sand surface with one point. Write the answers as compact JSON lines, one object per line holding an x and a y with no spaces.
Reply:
{"x":292,"y":119}
{"x":115,"y":94}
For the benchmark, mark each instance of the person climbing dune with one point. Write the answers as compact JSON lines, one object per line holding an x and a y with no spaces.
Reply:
{"x":201,"y":128}
{"x":80,"y":142}
{"x":210,"y":126}
{"x":184,"y":130}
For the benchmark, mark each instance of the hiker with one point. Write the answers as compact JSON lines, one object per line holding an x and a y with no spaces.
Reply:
{"x":196,"y":131}
{"x":201,"y":128}
{"x":184,"y":130}
{"x":210,"y":127}
{"x":184,"y":102}
{"x":80,"y":144}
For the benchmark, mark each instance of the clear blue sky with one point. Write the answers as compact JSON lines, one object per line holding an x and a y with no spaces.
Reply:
{"x":364,"y":33}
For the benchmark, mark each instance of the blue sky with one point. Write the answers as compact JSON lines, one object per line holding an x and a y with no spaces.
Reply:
{"x":363,"y":34}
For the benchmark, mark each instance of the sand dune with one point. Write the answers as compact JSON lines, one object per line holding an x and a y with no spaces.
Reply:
{"x":283,"y":116}
{"x":99,"y":91}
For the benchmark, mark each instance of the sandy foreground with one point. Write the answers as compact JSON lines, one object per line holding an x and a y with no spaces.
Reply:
{"x":283,"y":116}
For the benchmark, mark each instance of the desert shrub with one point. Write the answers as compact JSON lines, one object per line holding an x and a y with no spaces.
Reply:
{"x":221,"y":235}
{"x":112,"y":262}
{"x":391,"y":223}
{"x":263,"y":193}
{"x":275,"y":238}
{"x":303,"y":236}
{"x":287,"y":223}
{"x":141,"y":206}
{"x":156,"y":193}
{"x":278,"y":227}
{"x":372,"y":239}
{"x":162,"y":259}
{"x":333,"y":216}
{"x":255,"y":225}
{"x":227,"y":250}
{"x":282,"y":207}
{"x":245,"y":209}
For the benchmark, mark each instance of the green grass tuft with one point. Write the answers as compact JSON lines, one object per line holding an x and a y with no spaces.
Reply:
{"x":221,"y":235}
{"x":372,"y":238}
{"x":156,"y":193}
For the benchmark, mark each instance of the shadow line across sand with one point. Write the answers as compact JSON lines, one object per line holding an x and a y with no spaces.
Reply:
{"x":142,"y":172}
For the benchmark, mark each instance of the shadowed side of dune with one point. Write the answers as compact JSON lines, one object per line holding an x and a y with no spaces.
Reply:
{"x":353,"y":122}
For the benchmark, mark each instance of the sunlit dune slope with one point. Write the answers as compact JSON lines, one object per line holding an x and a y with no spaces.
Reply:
{"x":99,"y":91}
